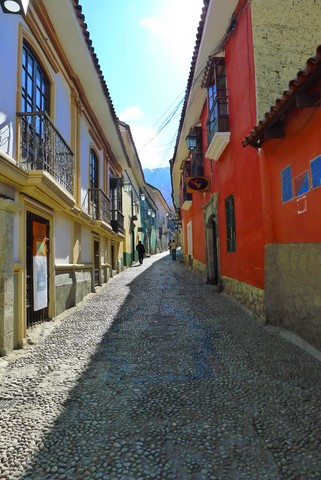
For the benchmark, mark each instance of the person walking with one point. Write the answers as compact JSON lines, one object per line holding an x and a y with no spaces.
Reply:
{"x":141,"y":251}
{"x":173,"y":249}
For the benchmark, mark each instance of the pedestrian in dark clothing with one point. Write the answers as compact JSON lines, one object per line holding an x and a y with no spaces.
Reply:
{"x":141,"y":251}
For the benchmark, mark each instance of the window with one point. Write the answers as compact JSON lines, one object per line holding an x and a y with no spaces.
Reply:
{"x":197,"y":163}
{"x":230,"y":224}
{"x":35,"y":87}
{"x":287,"y":188}
{"x":301,"y":183}
{"x":316,"y":172}
{"x":93,"y":170}
{"x":116,"y":193}
{"x":217,"y":120}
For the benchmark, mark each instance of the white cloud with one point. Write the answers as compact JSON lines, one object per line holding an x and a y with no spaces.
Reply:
{"x":175,"y":28}
{"x":149,"y":153}
{"x":148,"y":143}
{"x":131,"y":113}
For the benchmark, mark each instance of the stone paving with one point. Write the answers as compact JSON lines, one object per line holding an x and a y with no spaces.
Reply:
{"x":159,"y":377}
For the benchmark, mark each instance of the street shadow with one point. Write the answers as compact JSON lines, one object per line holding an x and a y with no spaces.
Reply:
{"x":120,"y":420}
{"x":165,"y":380}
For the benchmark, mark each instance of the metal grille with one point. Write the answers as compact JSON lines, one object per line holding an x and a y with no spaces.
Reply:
{"x":99,"y":205}
{"x":230,"y":224}
{"x":97,"y":266}
{"x":43,"y":148}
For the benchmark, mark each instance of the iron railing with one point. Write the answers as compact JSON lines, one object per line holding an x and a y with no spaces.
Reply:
{"x":117,"y":221}
{"x":99,"y":205}
{"x":42,"y":147}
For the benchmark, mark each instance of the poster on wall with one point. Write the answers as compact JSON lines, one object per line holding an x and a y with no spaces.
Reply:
{"x":40,"y":290}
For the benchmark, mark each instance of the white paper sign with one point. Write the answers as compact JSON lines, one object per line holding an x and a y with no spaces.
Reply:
{"x":40,"y":294}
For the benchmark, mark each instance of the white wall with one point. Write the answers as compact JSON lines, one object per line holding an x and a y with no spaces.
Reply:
{"x":86,"y":246}
{"x":62,"y":107}
{"x":63,"y":239}
{"x":8,"y":82}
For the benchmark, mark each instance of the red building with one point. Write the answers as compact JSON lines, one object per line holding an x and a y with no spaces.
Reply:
{"x":240,"y":65}
{"x":288,"y":139}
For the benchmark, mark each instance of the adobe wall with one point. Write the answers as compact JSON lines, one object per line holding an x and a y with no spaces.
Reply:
{"x":293,"y":288}
{"x":285,"y":34}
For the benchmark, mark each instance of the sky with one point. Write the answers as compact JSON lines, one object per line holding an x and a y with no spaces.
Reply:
{"x":145,"y":49}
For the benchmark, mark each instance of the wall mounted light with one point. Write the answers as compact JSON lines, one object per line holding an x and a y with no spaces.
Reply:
{"x":149,"y":211}
{"x":19,"y":7}
{"x":191,"y":141}
{"x":142,"y":197}
{"x":153,"y":214}
{"x":127,"y":187}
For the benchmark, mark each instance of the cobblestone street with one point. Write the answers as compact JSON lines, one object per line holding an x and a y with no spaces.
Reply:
{"x":159,"y":377}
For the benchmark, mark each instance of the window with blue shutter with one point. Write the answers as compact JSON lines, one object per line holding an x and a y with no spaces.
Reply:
{"x":287,"y":188}
{"x":301,"y":183}
{"x":316,"y":172}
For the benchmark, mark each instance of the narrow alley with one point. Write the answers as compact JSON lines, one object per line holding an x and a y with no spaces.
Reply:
{"x":158,"y":376}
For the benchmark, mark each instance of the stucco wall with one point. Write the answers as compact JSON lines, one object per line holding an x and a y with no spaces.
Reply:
{"x":285,"y":34}
{"x":293,"y":288}
{"x":71,"y":288}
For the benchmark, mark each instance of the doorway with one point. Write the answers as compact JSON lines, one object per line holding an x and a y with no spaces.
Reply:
{"x":96,"y":264}
{"x":37,"y":269}
{"x":212,"y":251}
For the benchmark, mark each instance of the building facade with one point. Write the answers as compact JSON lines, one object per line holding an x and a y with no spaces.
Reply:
{"x":217,"y":184}
{"x":60,"y":183}
{"x":162,"y":212}
{"x":288,"y":142}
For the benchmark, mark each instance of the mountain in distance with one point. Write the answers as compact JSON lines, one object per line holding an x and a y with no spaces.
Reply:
{"x":161,"y":179}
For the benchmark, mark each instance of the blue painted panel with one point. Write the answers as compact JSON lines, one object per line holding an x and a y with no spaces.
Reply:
{"x":316,"y":172}
{"x":301,"y":183}
{"x":287,"y":188}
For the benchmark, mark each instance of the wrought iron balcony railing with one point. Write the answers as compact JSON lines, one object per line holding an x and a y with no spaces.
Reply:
{"x":42,"y":147}
{"x":99,"y":205}
{"x":117,"y":221}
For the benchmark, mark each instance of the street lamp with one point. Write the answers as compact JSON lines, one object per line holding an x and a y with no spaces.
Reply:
{"x":127,"y":187}
{"x":191,"y":141}
{"x":19,"y":7}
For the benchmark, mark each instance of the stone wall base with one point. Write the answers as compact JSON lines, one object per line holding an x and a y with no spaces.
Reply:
{"x":293,"y":288}
{"x":71,"y":288}
{"x":200,"y":269}
{"x":251,"y":297}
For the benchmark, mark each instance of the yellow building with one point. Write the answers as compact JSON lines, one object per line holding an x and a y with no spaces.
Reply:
{"x":61,"y":218}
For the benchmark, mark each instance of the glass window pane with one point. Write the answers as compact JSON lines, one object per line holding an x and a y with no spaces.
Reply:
{"x":34,"y":84}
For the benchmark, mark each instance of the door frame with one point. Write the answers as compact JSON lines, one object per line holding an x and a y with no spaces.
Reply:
{"x":31,"y":206}
{"x":212,"y":241}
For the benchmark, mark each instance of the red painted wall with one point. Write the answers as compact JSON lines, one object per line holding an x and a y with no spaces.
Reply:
{"x":238,"y":169}
{"x":297,"y":220}
{"x":236,"y":172}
